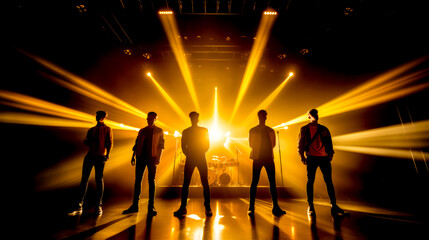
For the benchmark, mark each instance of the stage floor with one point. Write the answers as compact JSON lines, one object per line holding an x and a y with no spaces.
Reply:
{"x":229,"y":221}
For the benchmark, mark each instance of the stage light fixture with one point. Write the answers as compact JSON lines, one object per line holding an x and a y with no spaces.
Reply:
{"x":147,"y":56}
{"x":128,"y":52}
{"x":270,"y":12}
{"x":165,"y":12}
{"x":177,"y":134}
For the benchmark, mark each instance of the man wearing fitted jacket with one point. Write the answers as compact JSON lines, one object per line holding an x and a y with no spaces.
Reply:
{"x":146,"y":153}
{"x":99,"y":140}
{"x":316,"y":142}
{"x":195,"y":143}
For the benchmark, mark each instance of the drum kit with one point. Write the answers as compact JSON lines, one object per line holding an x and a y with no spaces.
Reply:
{"x":220,"y":170}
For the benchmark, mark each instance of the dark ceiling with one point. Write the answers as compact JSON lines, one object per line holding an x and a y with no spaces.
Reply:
{"x":337,"y":34}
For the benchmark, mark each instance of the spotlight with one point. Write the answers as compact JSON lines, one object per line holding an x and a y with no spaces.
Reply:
{"x":290,"y":74}
{"x":165,"y":12}
{"x":147,"y":56}
{"x":149,"y":74}
{"x":128,"y":52}
{"x":270,"y":13}
{"x":177,"y":134}
{"x":348,"y":11}
{"x":303,"y":51}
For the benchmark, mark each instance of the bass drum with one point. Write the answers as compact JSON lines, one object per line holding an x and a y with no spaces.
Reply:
{"x":224,"y":179}
{"x":211,"y":176}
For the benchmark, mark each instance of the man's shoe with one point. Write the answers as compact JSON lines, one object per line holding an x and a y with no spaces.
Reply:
{"x":151,"y":211}
{"x":132,"y":209}
{"x":277,"y":211}
{"x":180,"y":212}
{"x":77,"y":212}
{"x":337,"y":211}
{"x":99,"y":211}
{"x":251,"y":211}
{"x":209,"y":212}
{"x":310,"y":211}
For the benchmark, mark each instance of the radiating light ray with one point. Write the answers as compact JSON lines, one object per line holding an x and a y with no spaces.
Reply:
{"x":170,"y":27}
{"x":258,"y":47}
{"x":384,"y":152}
{"x":268,"y":100}
{"x":384,"y":88}
{"x":417,"y":136}
{"x":170,"y":100}
{"x":400,"y":141}
{"x":76,"y":118}
{"x":88,"y":89}
{"x":216,"y":133}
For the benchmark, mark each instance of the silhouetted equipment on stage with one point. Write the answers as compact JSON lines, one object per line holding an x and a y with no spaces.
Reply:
{"x":221,"y":171}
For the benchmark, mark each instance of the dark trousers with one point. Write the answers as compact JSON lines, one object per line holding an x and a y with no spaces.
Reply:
{"x":190,"y":166}
{"x":325,"y":166}
{"x":141,"y":164}
{"x":271,"y":172}
{"x":98,"y":163}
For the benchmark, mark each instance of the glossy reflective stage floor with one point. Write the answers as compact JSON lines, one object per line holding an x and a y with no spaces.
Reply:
{"x":230,"y":221}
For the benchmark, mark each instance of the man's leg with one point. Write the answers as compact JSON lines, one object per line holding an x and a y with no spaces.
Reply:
{"x":151,"y":181}
{"x":140,"y":167}
{"x":325,"y":167}
{"x":202,"y":168}
{"x":99,"y":163}
{"x":312,"y":165}
{"x":86,"y":172}
{"x":88,"y":163}
{"x":189,"y":169}
{"x":271,"y":173}
{"x":256,"y":172}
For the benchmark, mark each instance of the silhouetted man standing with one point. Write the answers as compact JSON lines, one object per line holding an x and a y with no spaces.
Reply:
{"x":146,"y":153}
{"x":262,"y":140}
{"x":195,"y":143}
{"x":99,"y":139}
{"x":316,"y":142}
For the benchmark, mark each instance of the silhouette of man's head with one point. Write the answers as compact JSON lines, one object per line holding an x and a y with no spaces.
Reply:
{"x":194,"y":117}
{"x":313,"y":115}
{"x":262,"y":116}
{"x":100,"y":116}
{"x":151,"y":118}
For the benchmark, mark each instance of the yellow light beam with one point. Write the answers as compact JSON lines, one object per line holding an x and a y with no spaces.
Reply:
{"x":381,"y":89}
{"x":167,"y":97}
{"x":88,"y":89}
{"x":170,"y":27}
{"x":216,"y":133}
{"x":25,"y":102}
{"x":414,"y":135}
{"x":258,"y":47}
{"x":386,"y":152}
{"x":269,"y":99}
